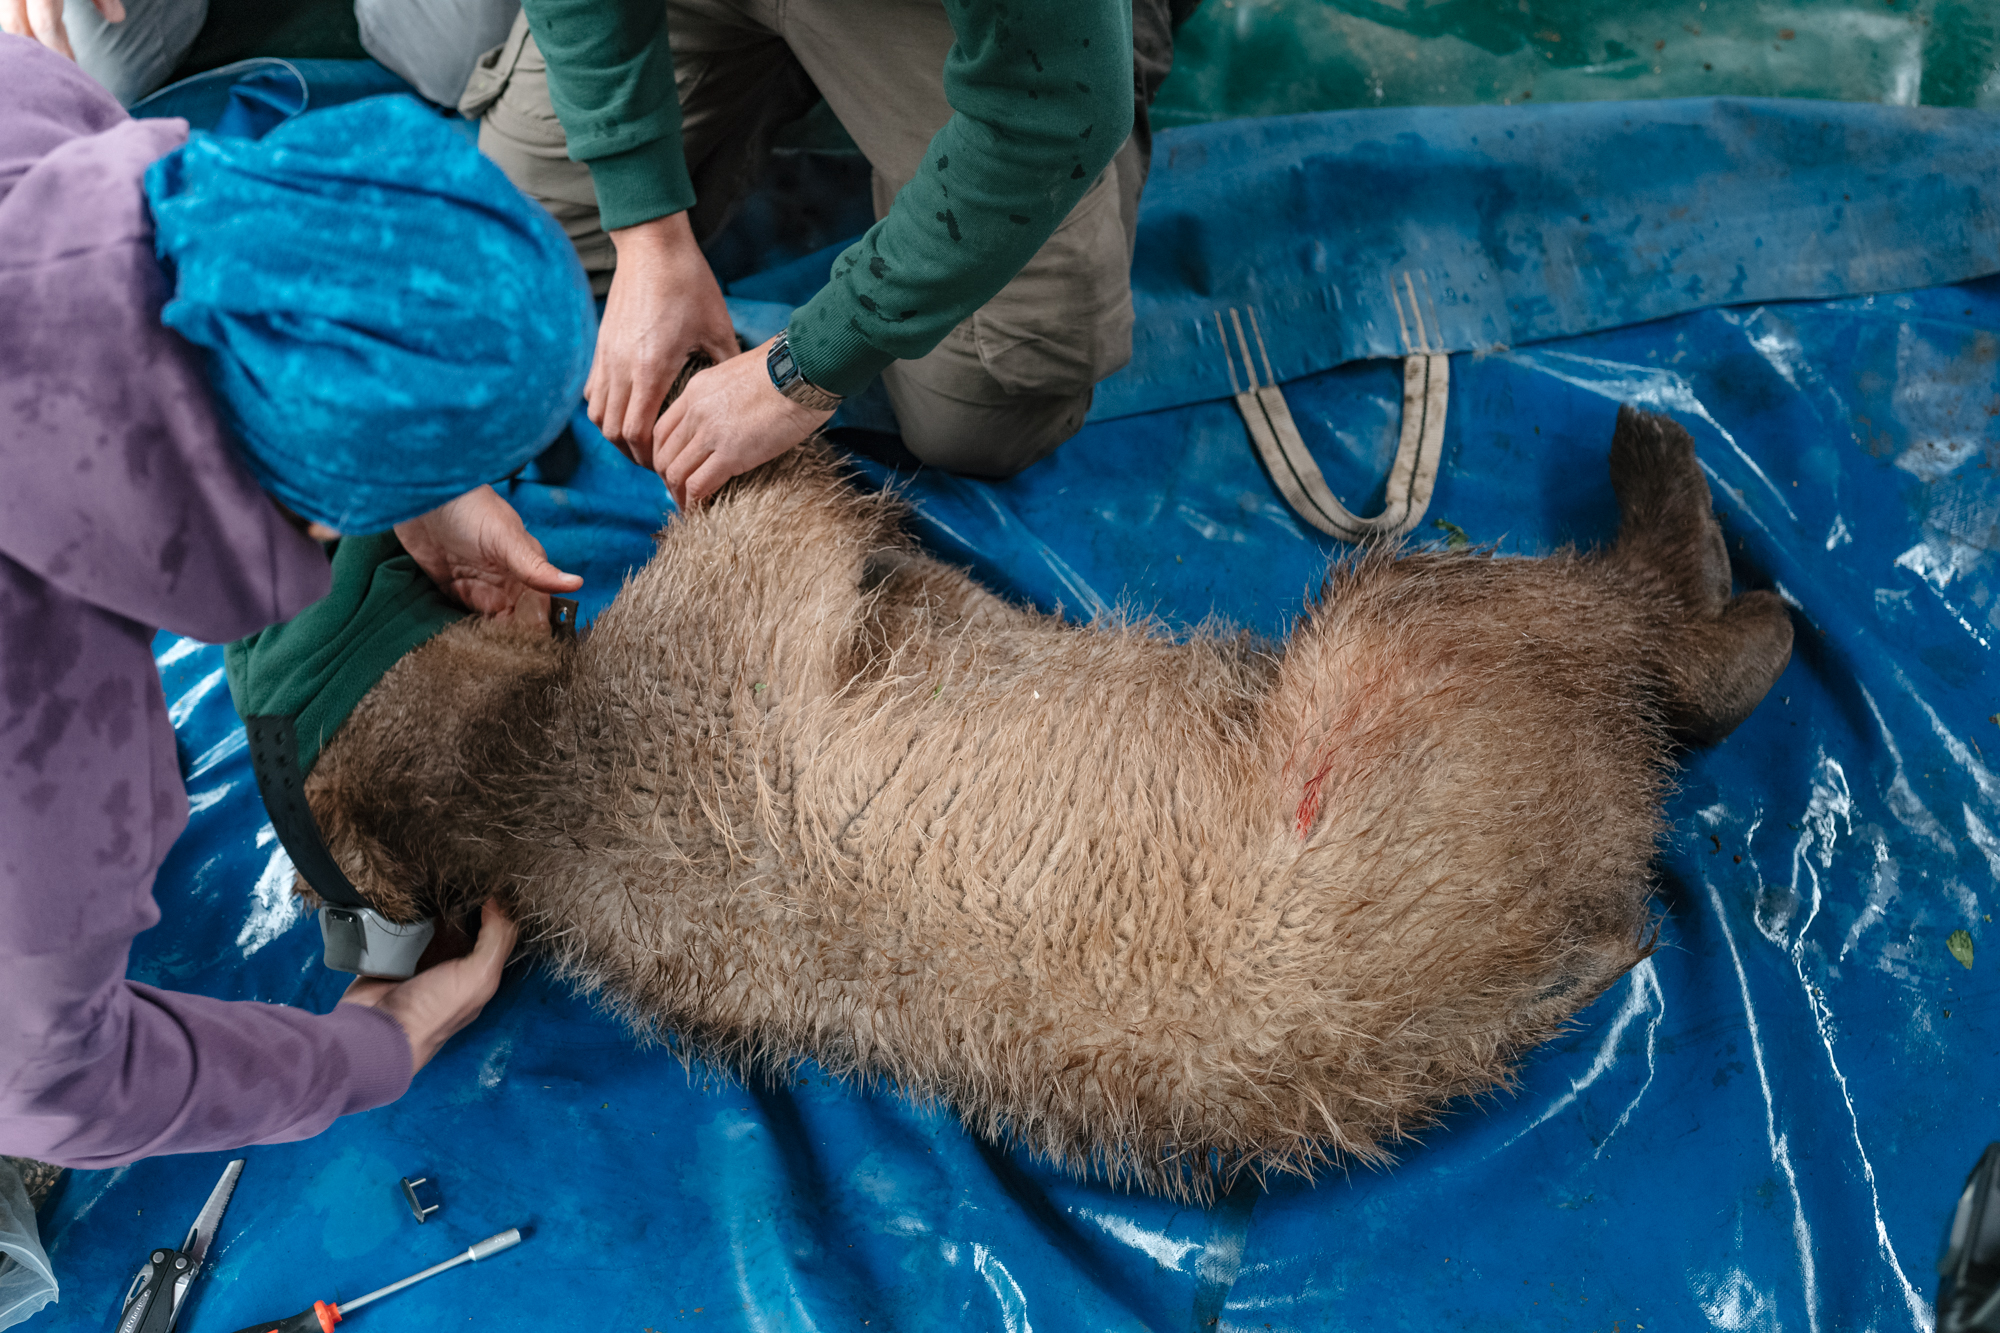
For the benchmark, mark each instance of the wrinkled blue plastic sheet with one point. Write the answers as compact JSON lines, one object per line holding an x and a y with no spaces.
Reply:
{"x":1367,"y":234}
{"x":251,"y":96}
{"x":1762,"y":1127}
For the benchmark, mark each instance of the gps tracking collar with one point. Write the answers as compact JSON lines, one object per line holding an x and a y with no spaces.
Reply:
{"x":358,"y":938}
{"x":294,"y":685}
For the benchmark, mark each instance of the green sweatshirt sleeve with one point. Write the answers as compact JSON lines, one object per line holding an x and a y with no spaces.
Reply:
{"x":1041,"y":92}
{"x":611,"y":77}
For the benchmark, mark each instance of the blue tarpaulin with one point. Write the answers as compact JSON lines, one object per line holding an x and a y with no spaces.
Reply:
{"x":1376,"y":233}
{"x":1762,"y":1127}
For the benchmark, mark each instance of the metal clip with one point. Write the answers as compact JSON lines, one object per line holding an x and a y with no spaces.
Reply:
{"x":562,"y":618}
{"x":423,"y":1196}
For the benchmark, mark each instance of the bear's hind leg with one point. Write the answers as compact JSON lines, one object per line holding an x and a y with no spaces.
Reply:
{"x":1667,"y":533}
{"x":1717,"y":655}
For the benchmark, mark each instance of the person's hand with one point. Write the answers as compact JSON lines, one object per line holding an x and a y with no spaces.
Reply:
{"x":729,"y":419}
{"x":441,"y":999}
{"x":664,"y":305}
{"x":477,"y":549}
{"x":43,"y":21}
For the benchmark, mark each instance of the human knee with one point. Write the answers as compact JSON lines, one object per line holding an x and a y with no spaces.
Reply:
{"x":433,"y":43}
{"x":136,"y":56}
{"x":993,"y":441}
{"x":508,"y":94}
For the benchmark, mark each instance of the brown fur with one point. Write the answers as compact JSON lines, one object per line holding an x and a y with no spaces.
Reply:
{"x":1169,"y":910}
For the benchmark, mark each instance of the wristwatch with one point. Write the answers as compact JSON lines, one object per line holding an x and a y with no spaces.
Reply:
{"x":789,"y":382}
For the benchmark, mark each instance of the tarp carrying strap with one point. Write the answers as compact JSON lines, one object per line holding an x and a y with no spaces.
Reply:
{"x":1522,"y":224}
{"x":1426,"y":387}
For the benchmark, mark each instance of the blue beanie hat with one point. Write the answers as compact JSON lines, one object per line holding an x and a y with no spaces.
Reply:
{"x":389,"y":321}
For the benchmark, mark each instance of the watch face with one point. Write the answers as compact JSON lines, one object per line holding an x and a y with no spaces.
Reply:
{"x":795,"y":386}
{"x":784,"y":370}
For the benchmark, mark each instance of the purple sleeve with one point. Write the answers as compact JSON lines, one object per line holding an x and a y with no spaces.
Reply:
{"x":96,"y":1070}
{"x":152,"y":1071}
{"x":123,"y":509}
{"x":123,"y":489}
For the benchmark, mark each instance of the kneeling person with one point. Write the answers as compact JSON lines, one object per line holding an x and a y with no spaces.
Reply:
{"x":192,"y":328}
{"x":1008,"y":144}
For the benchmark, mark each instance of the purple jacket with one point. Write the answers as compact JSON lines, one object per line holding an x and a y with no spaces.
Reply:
{"x":122,"y":509}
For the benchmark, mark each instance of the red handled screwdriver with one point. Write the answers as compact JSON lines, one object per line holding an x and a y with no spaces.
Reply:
{"x":325,"y":1314}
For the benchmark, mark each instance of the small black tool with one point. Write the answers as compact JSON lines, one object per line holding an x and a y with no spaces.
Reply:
{"x":153,"y":1301}
{"x":1969,"y":1298}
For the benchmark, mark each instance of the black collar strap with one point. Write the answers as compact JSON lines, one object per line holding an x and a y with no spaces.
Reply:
{"x":274,"y":742}
{"x":274,"y":758}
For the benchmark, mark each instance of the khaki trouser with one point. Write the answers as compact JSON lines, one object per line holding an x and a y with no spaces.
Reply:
{"x":433,"y":43}
{"x":1010,"y":382}
{"x":133,"y":58}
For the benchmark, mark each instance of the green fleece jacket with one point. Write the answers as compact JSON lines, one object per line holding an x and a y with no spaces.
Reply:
{"x":1041,"y":94}
{"x":315,"y":667}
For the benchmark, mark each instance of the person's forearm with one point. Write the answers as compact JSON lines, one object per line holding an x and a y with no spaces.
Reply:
{"x":137,"y":1071}
{"x":1042,"y":100}
{"x":611,"y":78}
{"x":666,"y":236}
